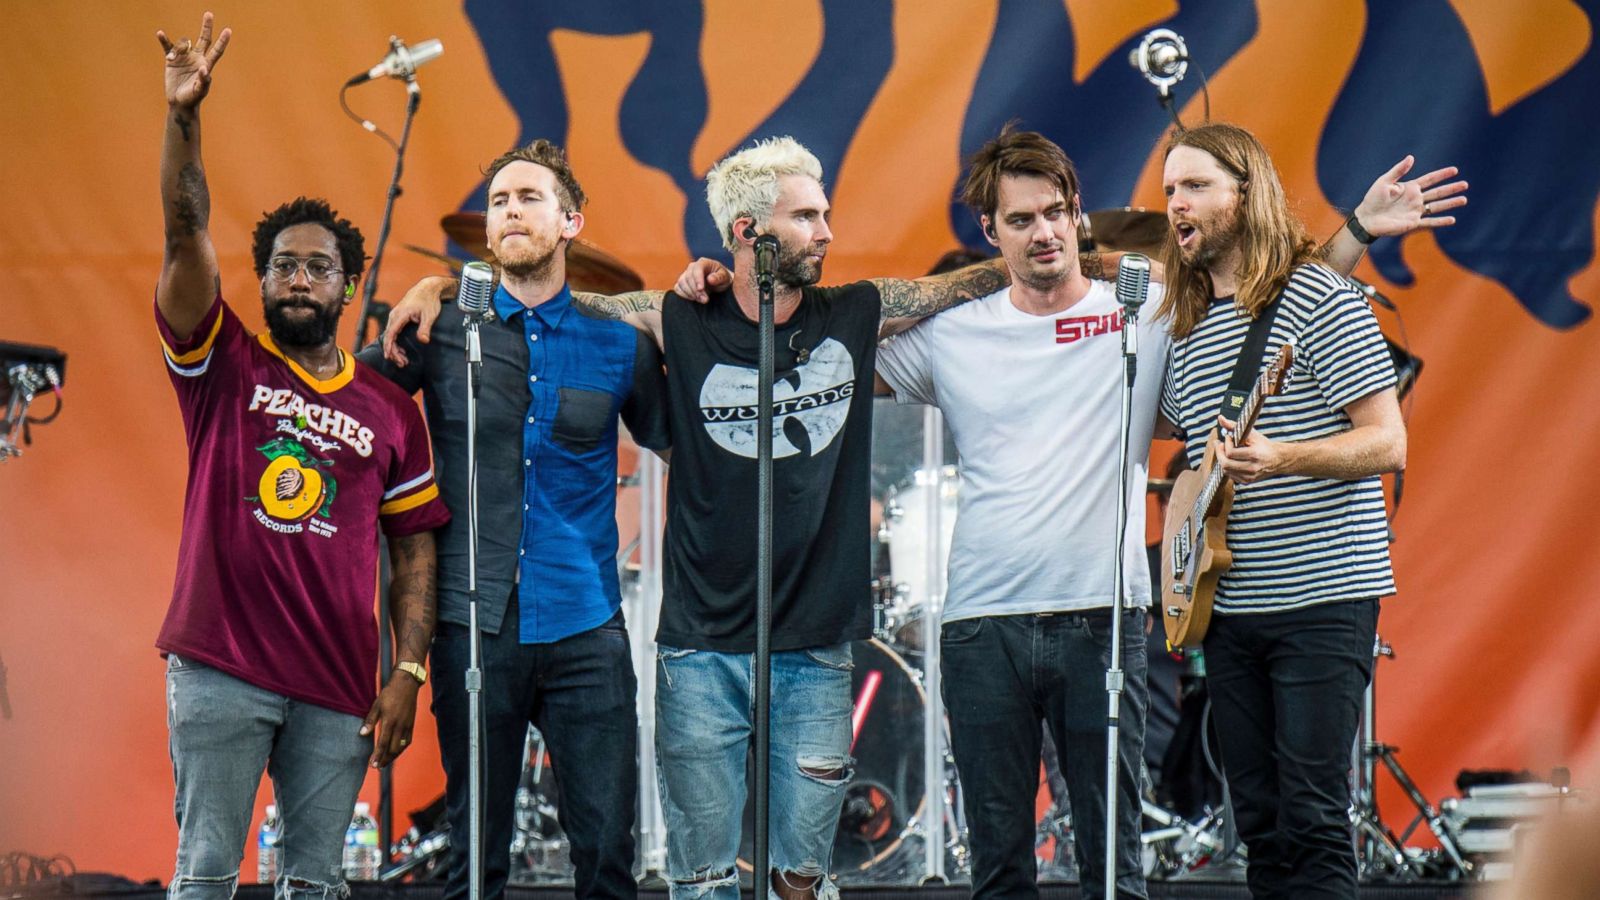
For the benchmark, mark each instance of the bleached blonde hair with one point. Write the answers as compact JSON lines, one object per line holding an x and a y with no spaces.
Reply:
{"x":746,"y":183}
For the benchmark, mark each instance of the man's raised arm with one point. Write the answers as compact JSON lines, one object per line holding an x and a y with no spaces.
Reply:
{"x":189,"y":279}
{"x":1393,"y":207}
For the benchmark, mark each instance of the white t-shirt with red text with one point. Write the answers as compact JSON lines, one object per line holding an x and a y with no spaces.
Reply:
{"x":1034,"y":405}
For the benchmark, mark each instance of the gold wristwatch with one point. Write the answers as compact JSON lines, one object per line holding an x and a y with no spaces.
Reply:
{"x":415,"y":670}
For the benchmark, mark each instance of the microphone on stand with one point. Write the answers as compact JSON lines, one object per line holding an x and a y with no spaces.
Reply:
{"x":402,"y":61}
{"x":1133,"y":288}
{"x":766,"y":261}
{"x":472,"y":298}
{"x":477,"y":289}
{"x":1161,"y":58}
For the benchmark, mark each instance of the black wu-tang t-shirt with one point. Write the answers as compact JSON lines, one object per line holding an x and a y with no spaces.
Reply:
{"x":821,"y":464}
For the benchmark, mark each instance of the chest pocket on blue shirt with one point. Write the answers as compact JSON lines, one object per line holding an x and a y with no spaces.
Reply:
{"x":581,"y":418}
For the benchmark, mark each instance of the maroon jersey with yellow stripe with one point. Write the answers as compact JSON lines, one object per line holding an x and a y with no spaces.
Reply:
{"x":290,"y":477}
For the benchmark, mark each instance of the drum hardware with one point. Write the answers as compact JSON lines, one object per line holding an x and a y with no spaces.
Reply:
{"x":901,"y":600}
{"x":1127,"y":229}
{"x":30,"y":370}
{"x":1380,"y":853}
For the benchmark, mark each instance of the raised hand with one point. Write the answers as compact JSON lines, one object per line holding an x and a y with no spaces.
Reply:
{"x":191,"y":62}
{"x":1392,"y":207}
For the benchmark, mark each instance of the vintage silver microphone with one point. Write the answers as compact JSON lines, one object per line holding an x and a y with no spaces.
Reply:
{"x":1133,"y":288}
{"x":473,"y":299}
{"x":1161,"y":58}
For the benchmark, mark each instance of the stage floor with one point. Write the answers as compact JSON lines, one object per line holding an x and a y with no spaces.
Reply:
{"x":1170,"y":890}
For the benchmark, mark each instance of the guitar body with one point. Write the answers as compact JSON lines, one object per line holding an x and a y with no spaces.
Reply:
{"x":1187,"y":591}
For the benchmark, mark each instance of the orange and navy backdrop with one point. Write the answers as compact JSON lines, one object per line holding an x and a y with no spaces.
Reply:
{"x":1495,"y":551}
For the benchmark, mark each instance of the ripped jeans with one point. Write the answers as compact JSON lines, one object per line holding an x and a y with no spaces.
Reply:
{"x":704,"y":715}
{"x":222,"y":733}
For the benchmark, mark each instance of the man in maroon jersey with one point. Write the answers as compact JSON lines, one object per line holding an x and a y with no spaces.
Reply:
{"x":296,"y":457}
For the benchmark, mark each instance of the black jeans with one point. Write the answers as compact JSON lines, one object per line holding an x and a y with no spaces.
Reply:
{"x":1003,"y":675}
{"x":580,"y":693}
{"x":1286,"y":700}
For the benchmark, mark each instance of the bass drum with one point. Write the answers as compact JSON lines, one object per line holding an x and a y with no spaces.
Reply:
{"x":903,"y":596}
{"x":886,"y":797}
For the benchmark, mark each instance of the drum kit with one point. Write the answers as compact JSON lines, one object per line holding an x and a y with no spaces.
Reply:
{"x":883,"y":828}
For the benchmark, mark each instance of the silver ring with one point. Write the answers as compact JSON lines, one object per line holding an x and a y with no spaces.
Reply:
{"x":1424,"y":209}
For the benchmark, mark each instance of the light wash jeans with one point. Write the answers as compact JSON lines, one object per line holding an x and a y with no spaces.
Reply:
{"x":704,"y":714}
{"x":223,"y":732}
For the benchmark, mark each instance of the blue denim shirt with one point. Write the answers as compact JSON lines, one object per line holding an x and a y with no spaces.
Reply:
{"x":555,"y":382}
{"x":580,"y":370}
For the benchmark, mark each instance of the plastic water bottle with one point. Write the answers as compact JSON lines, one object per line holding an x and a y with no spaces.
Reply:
{"x":269,"y":847}
{"x":361,"y":855}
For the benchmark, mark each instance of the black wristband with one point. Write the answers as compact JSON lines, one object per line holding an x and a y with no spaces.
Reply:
{"x":1360,"y":234}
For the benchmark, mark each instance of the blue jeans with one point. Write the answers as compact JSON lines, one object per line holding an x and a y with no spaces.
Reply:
{"x":581,"y":693}
{"x":222,"y":733}
{"x":1286,"y":692}
{"x":1002,"y":677}
{"x":704,"y":714}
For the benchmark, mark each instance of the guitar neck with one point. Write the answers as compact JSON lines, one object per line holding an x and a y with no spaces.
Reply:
{"x":1248,"y":414}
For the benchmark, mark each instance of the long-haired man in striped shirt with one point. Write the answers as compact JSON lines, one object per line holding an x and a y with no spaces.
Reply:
{"x":1289,"y":651}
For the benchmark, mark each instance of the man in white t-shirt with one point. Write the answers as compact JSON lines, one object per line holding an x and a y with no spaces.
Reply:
{"x":1029,"y":381}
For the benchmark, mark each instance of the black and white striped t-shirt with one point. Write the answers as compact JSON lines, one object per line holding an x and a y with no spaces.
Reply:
{"x":1296,"y":541}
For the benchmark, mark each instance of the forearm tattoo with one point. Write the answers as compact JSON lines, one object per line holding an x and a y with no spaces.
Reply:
{"x":191,"y":209}
{"x":926,"y":296}
{"x":620,"y":306}
{"x":413,"y":603}
{"x":1091,"y":264}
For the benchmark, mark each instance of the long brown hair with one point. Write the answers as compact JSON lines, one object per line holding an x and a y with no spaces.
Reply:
{"x":1272,"y":241}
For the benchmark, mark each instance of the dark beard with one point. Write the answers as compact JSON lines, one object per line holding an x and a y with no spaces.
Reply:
{"x":795,"y":271}
{"x":1219,"y":237}
{"x":302,"y":333}
{"x":529,"y":269}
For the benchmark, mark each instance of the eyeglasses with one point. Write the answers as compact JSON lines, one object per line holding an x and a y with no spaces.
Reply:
{"x":318,"y":270}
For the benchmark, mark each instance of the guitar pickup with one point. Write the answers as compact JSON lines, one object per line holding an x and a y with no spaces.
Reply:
{"x":1174,"y":612}
{"x":1179,"y":587}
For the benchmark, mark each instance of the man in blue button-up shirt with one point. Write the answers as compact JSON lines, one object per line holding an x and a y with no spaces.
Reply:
{"x":556,"y":378}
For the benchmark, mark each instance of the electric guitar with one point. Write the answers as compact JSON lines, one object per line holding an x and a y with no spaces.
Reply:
{"x":1194,"y":538}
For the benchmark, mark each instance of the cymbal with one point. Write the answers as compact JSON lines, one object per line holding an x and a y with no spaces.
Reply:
{"x":436,"y":256}
{"x":1128,"y":228}
{"x":588,"y":267}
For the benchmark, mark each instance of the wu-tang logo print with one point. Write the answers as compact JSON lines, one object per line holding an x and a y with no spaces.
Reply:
{"x":809,"y":405}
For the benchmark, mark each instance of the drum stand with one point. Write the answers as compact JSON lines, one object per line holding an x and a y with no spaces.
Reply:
{"x":934,"y":772}
{"x":1380,"y":853}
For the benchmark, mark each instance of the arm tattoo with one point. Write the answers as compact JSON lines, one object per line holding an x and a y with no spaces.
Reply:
{"x":183,"y":122}
{"x":191,"y":211}
{"x":621,"y":306}
{"x":1093,"y":266}
{"x":926,"y":296}
{"x":413,"y":605}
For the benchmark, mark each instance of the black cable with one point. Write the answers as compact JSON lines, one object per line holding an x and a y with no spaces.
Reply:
{"x":46,"y":420}
{"x":365,"y":123}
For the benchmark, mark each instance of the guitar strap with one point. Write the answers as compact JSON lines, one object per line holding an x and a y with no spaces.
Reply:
{"x":1248,"y":367}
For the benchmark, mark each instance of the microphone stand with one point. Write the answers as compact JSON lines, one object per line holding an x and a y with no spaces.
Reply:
{"x":474,"y":673}
{"x":763,"y":657}
{"x":1115,"y":677}
{"x":369,"y":289}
